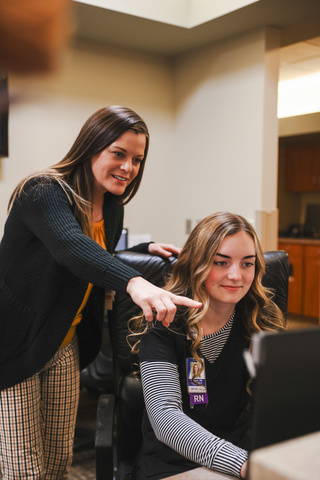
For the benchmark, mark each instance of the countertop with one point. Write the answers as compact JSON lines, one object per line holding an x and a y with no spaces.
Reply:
{"x":299,"y":241}
{"x":296,"y":459}
{"x":200,"y":473}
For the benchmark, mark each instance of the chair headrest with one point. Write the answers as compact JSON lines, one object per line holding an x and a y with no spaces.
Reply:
{"x":154,"y":269}
{"x":276,"y":277}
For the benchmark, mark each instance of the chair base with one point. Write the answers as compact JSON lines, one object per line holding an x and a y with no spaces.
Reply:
{"x":104,"y":437}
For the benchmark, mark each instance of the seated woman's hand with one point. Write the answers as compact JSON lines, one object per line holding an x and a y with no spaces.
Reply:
{"x":163,"y":249}
{"x":243,"y":471}
{"x":154,"y":299}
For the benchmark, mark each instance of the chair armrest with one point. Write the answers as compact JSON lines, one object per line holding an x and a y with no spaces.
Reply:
{"x":104,"y":437}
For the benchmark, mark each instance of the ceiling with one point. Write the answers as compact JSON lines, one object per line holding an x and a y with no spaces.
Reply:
{"x":297,"y":20}
{"x":300,"y":59}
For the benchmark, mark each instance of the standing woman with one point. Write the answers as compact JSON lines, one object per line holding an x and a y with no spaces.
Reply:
{"x":55,"y":263}
{"x":187,"y":425}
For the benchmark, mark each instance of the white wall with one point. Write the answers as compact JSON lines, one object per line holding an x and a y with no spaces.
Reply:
{"x":46,"y":114}
{"x":226,"y":129}
{"x":299,"y":125}
{"x":207,"y":117}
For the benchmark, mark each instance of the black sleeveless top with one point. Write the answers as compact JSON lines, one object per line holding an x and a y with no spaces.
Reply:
{"x":225,"y":415}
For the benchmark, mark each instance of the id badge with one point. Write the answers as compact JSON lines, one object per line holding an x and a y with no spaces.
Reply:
{"x":196,"y":382}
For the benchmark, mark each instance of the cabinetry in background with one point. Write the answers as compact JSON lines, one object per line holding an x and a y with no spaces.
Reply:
{"x":304,"y":281}
{"x":302,"y":168}
{"x":311,"y":281}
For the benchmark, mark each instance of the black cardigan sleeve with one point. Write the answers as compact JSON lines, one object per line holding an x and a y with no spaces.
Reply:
{"x":47,"y":212}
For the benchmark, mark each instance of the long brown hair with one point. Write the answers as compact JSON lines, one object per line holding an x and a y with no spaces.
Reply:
{"x":192,"y":269}
{"x":74,"y":172}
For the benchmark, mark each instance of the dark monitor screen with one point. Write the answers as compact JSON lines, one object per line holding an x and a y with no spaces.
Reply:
{"x":4,"y":115}
{"x":312,"y":223}
{"x":123,"y":241}
{"x":286,"y":400}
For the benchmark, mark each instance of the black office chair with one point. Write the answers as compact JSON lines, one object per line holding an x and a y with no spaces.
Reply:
{"x":119,"y":416}
{"x":95,"y":380}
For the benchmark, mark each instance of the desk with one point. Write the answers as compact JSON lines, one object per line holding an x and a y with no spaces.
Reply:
{"x":200,"y":473}
{"x":296,"y":459}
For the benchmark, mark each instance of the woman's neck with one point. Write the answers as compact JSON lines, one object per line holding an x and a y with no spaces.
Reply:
{"x":97,"y":209}
{"x":216,"y":318}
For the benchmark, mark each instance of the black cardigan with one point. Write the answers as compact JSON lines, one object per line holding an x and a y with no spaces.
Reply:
{"x":46,"y":263}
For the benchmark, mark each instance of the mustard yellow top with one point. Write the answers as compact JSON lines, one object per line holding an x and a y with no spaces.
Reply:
{"x":98,"y":235}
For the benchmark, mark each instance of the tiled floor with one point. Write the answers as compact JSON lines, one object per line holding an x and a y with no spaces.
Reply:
{"x":83,"y":467}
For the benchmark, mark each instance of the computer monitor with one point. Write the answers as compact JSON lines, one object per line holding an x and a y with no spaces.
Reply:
{"x":286,"y":399}
{"x":123,"y":241}
{"x":312,"y":221}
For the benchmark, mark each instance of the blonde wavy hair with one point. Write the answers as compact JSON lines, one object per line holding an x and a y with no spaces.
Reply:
{"x":74,"y":173}
{"x":191,"y":270}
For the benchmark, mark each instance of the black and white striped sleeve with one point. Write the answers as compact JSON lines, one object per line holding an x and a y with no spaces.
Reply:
{"x":174,"y":428}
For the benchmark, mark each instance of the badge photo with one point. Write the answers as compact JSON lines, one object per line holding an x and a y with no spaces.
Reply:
{"x":196,"y":382}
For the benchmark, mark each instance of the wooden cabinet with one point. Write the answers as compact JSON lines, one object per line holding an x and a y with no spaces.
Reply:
{"x":302,"y":168}
{"x":311,"y":281}
{"x":304,"y":281}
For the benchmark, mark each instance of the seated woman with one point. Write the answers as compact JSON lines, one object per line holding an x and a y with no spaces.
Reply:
{"x":202,"y":420}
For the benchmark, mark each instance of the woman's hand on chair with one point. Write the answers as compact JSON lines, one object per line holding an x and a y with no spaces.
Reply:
{"x":163,"y":249}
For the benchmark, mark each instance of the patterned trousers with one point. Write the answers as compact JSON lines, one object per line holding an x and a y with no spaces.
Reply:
{"x":37,"y":420}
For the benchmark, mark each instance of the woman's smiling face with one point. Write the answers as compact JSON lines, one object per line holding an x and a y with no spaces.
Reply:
{"x":233,"y":270}
{"x":116,"y":166}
